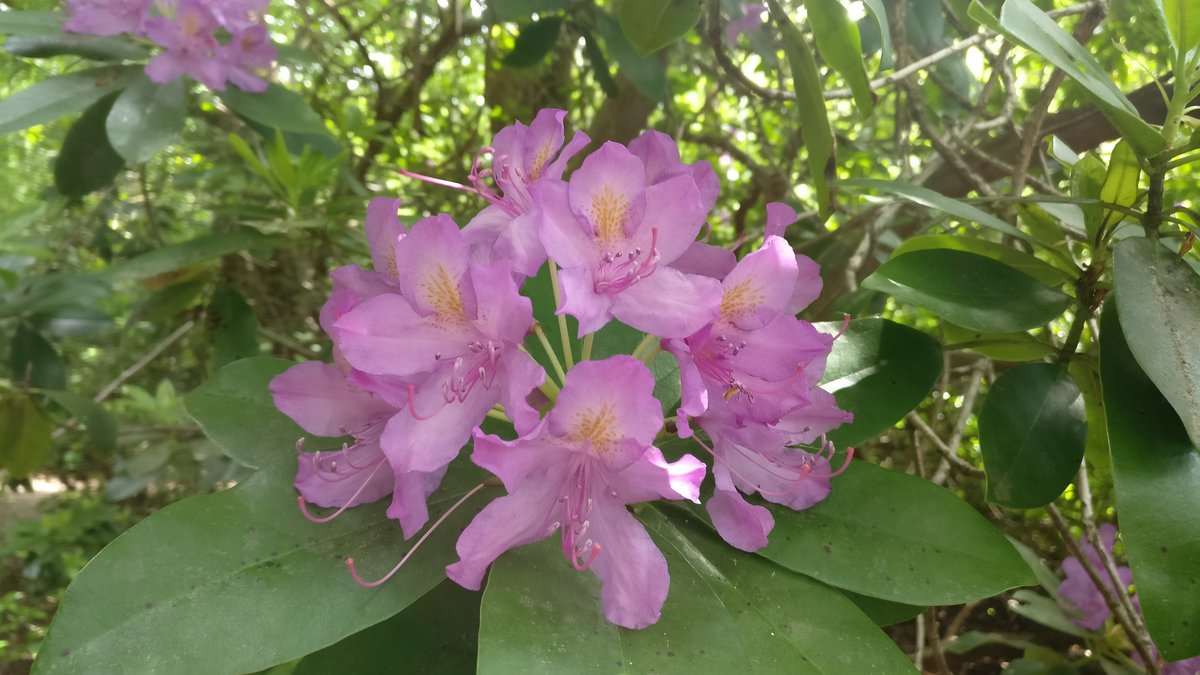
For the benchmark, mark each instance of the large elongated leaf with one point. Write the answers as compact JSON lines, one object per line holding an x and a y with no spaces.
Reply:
{"x":92,"y":47}
{"x":726,"y":612}
{"x":1022,"y":22}
{"x":651,"y":25}
{"x":1160,"y":312}
{"x":933,"y":200}
{"x":1156,"y":471}
{"x":1182,"y":18}
{"x":1032,"y":432}
{"x":87,"y":161}
{"x":277,"y":108}
{"x":897,"y":537}
{"x":970,"y":290}
{"x":878,"y":370}
{"x":235,"y":409}
{"x":534,"y":43}
{"x":25,"y":429}
{"x":145,"y":118}
{"x":178,"y":256}
{"x":810,"y":108}
{"x":837,"y":40}
{"x":19,"y":22}
{"x":60,"y":96}
{"x":1034,"y":267}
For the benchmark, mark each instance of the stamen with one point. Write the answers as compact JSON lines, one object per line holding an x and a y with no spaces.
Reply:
{"x":304,"y":505}
{"x":591,"y":559}
{"x":300,"y":444}
{"x":845,"y":325}
{"x":412,"y":408}
{"x":432,"y":528}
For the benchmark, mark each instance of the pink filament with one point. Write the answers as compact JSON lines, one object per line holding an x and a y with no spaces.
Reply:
{"x":412,"y":408}
{"x":304,"y":505}
{"x":432,"y":528}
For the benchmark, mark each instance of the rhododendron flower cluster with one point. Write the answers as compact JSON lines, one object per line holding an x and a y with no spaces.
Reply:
{"x":213,"y":41}
{"x":431,"y":341}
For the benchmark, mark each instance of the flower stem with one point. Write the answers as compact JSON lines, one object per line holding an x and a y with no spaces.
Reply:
{"x":554,"y":362}
{"x":651,"y":354}
{"x":498,"y":415}
{"x":643,"y":346}
{"x":586,"y":353}
{"x":562,"y":318}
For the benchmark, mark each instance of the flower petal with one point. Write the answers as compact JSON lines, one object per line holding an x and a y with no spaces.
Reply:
{"x":652,"y":477}
{"x":432,"y":261}
{"x":430,"y":443}
{"x":668,"y":303}
{"x":808,"y":285}
{"x":580,"y":300}
{"x":384,"y":231}
{"x":358,"y":475}
{"x":384,"y":336}
{"x":741,"y":524}
{"x":758,"y":288}
{"x":608,"y":192}
{"x":320,"y":399}
{"x":706,"y":260}
{"x":632,"y":571}
{"x":410,"y":499}
{"x":609,"y":404}
{"x":673,"y":218}
{"x":522,"y":376}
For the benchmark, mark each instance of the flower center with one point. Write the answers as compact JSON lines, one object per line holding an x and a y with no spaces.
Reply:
{"x":478,"y":364}
{"x":608,"y":212}
{"x":740,"y":299}
{"x":577,"y":504}
{"x":595,"y":426}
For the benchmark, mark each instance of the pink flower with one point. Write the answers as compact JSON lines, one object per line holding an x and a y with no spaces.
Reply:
{"x":249,"y":50}
{"x":574,"y":474}
{"x":190,"y":48}
{"x":106,"y":17}
{"x":750,"y":22}
{"x":615,"y":235}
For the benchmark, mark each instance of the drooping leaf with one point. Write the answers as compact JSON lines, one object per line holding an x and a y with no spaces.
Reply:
{"x":1039,"y":608}
{"x":1156,"y":471}
{"x":87,"y":161}
{"x":1032,"y":433}
{"x":234,"y":328}
{"x":100,"y":425}
{"x":726,"y":611}
{"x":33,"y":360}
{"x":878,"y":370}
{"x":1160,"y":310}
{"x":92,"y":47}
{"x":52,"y":293}
{"x":235,"y":409}
{"x":838,"y":42}
{"x":651,"y":25}
{"x":933,"y":200}
{"x":882,"y":612}
{"x":970,"y":290}
{"x":238,"y":581}
{"x":178,"y":256}
{"x":534,"y":42}
{"x":1120,"y":185}
{"x":898,"y":537}
{"x":146,"y":118}
{"x":1027,"y":25}
{"x":879,"y":14}
{"x":818,"y":137}
{"x":61,"y":96}
{"x":1087,"y":179}
{"x":73,"y":322}
{"x":1034,"y":267}
{"x":25,"y":429}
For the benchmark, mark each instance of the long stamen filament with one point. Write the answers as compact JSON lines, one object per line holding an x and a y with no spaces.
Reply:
{"x":411,"y":551}
{"x":412,"y":407}
{"x":304,"y":505}
{"x":562,"y":318}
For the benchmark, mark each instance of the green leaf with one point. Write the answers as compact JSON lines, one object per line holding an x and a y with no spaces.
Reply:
{"x":73,"y":322}
{"x":235,"y":409}
{"x":897,"y":537}
{"x":810,"y":109}
{"x":514,"y":10}
{"x":436,"y":635}
{"x":1034,"y":267}
{"x":1032,"y":432}
{"x":882,"y":612}
{"x":1156,"y":471}
{"x":1045,"y":611}
{"x":178,"y":256}
{"x":1160,"y":310}
{"x":878,"y":370}
{"x":1120,"y":185}
{"x":61,"y":96}
{"x":1000,"y":346}
{"x":534,"y":42}
{"x":1087,"y":375}
{"x":973,"y":639}
{"x":647,"y":73}
{"x":651,"y":25}
{"x":33,"y":360}
{"x":14,"y":22}
{"x":277,"y":108}
{"x":727,"y":611}
{"x":599,"y":62}
{"x":146,"y":118}
{"x":49,"y":293}
{"x":238,"y":581}
{"x":1087,"y":179}
{"x":87,"y":161}
{"x":933,"y":200}
{"x":91,"y":47}
{"x":234,"y":328}
{"x":970,"y":290}
{"x":26,"y":433}
{"x":879,"y":12}
{"x":101,"y":427}
{"x":1025,"y":24}
{"x":1182,"y":19}
{"x":838,"y":42}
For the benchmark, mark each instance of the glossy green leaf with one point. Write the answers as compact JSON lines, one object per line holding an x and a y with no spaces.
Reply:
{"x":647,"y":73}
{"x":92,"y":47}
{"x":238,"y":581}
{"x":277,"y":108}
{"x":1032,"y":433}
{"x":1182,"y":18}
{"x":1087,"y":375}
{"x":146,"y":118}
{"x":972,"y":639}
{"x":101,"y":427}
{"x":1027,"y":25}
{"x":20,"y":22}
{"x":1034,"y":267}
{"x":25,"y":429}
{"x":815,"y":130}
{"x":651,"y":25}
{"x":897,"y":537}
{"x":33,"y":360}
{"x":235,"y":409}
{"x":514,"y":10}
{"x":1160,"y":312}
{"x":1039,"y":608}
{"x":1000,"y":346}
{"x":87,"y":161}
{"x":933,"y":200}
{"x":1087,"y":179}
{"x":61,"y":96}
{"x":838,"y":42}
{"x":1120,"y":185}
{"x":234,"y":328}
{"x":727,"y":611}
{"x":970,"y":290}
{"x":436,"y":635}
{"x":1156,"y":471}
{"x":882,"y":612}
{"x":534,"y":42}
{"x":879,"y":371}
{"x":177,"y":256}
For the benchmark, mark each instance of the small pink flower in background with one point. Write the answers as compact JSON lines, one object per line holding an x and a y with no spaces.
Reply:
{"x":573,"y":475}
{"x":750,"y":22}
{"x":189,"y":46}
{"x":249,"y":50}
{"x":106,"y":17}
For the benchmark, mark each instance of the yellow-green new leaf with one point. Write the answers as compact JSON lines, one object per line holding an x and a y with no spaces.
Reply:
{"x":1182,"y":18}
{"x":1120,"y":183}
{"x":838,"y":41}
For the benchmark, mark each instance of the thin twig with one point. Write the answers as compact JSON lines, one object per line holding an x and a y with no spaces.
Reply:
{"x":145,"y":360}
{"x":957,"y":462}
{"x":956,"y":434}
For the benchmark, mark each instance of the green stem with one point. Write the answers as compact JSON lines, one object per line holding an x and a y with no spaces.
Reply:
{"x":554,"y":362}
{"x":562,"y":318}
{"x":498,"y":415}
{"x":651,"y":354}
{"x":586,"y":353}
{"x":643,"y":346}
